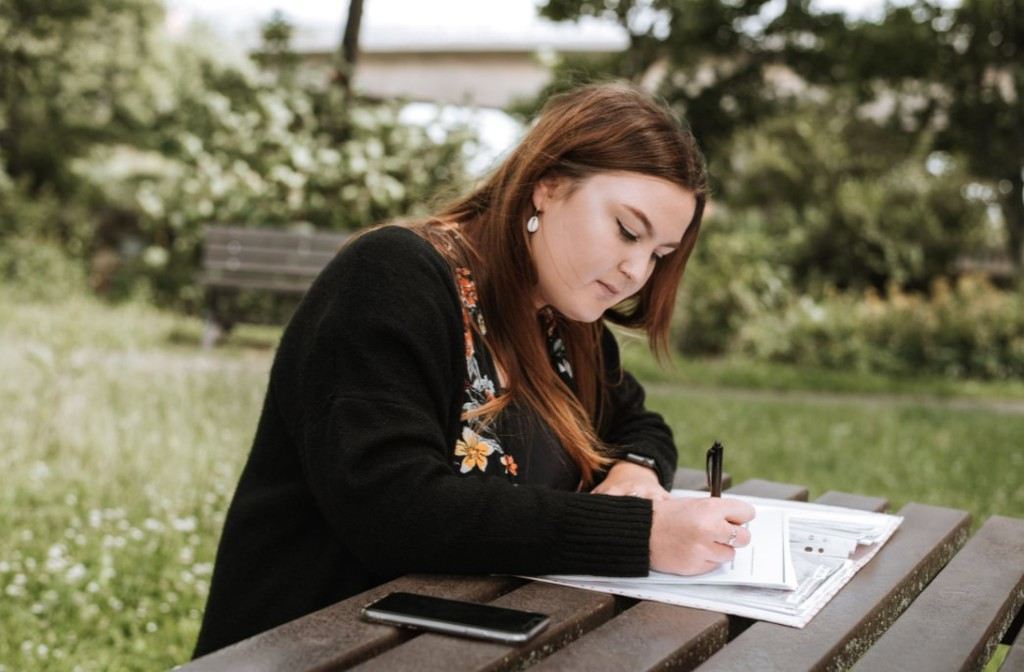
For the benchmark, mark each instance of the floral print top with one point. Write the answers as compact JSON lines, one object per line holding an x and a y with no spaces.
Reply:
{"x":517,"y":445}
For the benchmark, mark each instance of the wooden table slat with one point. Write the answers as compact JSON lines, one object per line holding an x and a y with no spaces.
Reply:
{"x":694,"y":479}
{"x":833,"y":498}
{"x":573,"y":612}
{"x":756,"y":487}
{"x":336,"y":636}
{"x":860,"y":613}
{"x":648,"y":636}
{"x":961,"y":615}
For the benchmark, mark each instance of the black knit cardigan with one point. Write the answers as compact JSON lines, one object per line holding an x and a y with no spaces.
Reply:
{"x":350,"y":480}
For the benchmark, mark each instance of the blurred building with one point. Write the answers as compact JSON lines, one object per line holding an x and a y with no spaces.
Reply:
{"x":488,"y":66}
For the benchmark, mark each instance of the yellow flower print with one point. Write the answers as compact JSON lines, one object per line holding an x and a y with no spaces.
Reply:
{"x":473,"y":449}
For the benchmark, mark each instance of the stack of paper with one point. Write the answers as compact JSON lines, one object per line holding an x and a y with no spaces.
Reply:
{"x":799,"y":556}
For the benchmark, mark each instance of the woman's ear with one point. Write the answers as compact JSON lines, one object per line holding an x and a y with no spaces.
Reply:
{"x":545,"y":191}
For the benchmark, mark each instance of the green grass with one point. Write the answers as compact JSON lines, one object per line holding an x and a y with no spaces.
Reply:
{"x":751,"y":374}
{"x":957,"y":458}
{"x":119,"y":450}
{"x":121,"y":442}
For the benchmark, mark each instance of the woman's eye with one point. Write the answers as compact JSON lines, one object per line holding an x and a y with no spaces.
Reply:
{"x":626,"y":233}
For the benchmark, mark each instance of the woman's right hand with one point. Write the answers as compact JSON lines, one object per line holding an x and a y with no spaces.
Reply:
{"x":689,"y":536}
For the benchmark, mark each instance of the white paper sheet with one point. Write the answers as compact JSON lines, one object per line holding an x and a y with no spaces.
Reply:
{"x":818,"y":574}
{"x":766,"y":562}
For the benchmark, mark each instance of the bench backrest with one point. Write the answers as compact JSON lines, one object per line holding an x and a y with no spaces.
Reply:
{"x":266,"y":259}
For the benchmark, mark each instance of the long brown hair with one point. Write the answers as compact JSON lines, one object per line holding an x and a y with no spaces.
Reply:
{"x":589,"y":130}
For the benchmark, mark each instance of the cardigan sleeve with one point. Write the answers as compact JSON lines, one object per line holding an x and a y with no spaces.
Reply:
{"x":627,"y":425}
{"x":381,"y":384}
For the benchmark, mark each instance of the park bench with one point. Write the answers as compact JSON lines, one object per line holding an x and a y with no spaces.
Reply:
{"x":930,"y":600}
{"x":237,"y":258}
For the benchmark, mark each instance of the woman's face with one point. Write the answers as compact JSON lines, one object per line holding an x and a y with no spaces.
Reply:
{"x":599,"y":244}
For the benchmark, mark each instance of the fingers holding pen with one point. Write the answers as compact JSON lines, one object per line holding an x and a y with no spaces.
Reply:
{"x":692,"y":536}
{"x":736,"y":511}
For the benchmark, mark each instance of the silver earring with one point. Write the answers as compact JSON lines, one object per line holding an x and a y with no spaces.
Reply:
{"x":533,"y":224}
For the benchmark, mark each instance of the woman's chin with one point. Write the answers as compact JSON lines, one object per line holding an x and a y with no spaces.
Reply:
{"x":579,"y":313}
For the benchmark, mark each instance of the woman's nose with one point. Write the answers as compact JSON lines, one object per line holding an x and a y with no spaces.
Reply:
{"x":634,"y":267}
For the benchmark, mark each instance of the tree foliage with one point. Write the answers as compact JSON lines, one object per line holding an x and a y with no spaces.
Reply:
{"x":922,"y":78}
{"x":117,"y":140}
{"x":814,"y":201}
{"x":73,"y":73}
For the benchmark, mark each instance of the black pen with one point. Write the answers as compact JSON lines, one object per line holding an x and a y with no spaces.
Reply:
{"x":713,"y":467}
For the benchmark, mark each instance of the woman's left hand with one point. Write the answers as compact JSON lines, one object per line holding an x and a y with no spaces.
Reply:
{"x":633,"y":480}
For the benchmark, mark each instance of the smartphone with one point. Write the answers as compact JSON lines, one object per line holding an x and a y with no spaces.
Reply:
{"x":454,"y":617}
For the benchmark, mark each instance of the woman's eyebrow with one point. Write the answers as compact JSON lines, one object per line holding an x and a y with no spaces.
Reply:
{"x":639,"y":214}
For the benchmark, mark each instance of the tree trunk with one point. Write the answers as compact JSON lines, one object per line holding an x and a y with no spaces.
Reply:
{"x":350,"y":47}
{"x":1013,"y":215}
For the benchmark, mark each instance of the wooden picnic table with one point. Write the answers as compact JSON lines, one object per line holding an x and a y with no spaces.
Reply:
{"x":930,"y":600}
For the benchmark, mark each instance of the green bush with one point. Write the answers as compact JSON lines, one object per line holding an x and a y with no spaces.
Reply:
{"x":732,"y":275}
{"x":848,"y":204}
{"x":39,"y":270}
{"x":968,"y":330}
{"x":819,"y":199}
{"x":238,"y":149}
{"x":129,"y":164}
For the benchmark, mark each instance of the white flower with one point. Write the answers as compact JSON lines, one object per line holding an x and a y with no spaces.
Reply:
{"x":76,"y":573}
{"x":187,"y":524}
{"x":155,"y":256}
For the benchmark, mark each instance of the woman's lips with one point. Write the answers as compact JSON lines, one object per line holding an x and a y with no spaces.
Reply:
{"x":608,"y":290}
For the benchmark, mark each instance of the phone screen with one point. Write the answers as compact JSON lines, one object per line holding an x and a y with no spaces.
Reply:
{"x":466,"y":617}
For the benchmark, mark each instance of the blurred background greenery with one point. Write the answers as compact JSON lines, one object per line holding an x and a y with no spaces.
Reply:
{"x":852,"y":319}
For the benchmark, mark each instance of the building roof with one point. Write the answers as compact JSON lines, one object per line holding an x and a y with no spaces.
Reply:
{"x":588,"y":35}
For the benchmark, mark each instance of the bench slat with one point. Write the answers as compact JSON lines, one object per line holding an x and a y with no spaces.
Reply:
{"x":964,"y":611}
{"x":860,"y":613}
{"x":573,"y":612}
{"x":336,"y":636}
{"x":654,"y":636}
{"x":221,"y":255}
{"x":292,"y":287}
{"x":243,"y":267}
{"x":269,"y":237}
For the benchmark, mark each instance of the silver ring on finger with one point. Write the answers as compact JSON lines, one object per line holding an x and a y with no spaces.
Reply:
{"x":732,"y":536}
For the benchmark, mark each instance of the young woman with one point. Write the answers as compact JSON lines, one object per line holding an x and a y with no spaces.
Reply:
{"x":448,"y":399}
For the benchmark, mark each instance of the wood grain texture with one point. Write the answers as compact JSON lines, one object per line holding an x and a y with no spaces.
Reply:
{"x":573,"y":612}
{"x":845,"y":628}
{"x":964,"y":612}
{"x":336,"y":636}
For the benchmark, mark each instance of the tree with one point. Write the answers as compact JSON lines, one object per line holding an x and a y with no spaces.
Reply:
{"x":984,"y":108}
{"x":953,"y":78}
{"x":721,"y":61}
{"x":349,"y":51}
